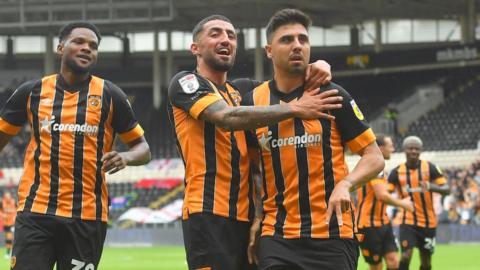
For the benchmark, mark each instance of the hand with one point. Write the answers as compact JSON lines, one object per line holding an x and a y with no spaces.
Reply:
{"x":339,"y":201}
{"x":113,"y":162}
{"x":407,"y":204}
{"x":317,"y":74}
{"x":313,"y":105}
{"x":253,"y":243}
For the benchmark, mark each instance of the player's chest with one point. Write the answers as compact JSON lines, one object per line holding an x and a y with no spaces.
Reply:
{"x":291,"y":134}
{"x":77,"y":113}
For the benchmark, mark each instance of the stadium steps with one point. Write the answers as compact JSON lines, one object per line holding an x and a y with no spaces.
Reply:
{"x":161,"y":201}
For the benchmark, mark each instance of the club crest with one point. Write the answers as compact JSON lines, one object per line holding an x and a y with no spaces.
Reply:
{"x":94,"y":102}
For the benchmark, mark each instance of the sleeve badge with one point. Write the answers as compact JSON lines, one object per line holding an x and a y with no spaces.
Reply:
{"x":189,"y":83}
{"x":356,"y":110}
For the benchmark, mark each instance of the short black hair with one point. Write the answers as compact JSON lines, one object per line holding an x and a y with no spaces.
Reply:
{"x":68,"y":28}
{"x":199,"y":26}
{"x":381,"y":139}
{"x":284,"y":17}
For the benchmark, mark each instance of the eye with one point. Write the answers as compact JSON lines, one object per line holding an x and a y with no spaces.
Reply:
{"x":285,"y":39}
{"x":303,"y":39}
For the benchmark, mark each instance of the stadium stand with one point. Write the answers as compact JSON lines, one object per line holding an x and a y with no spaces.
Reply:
{"x":455,"y":124}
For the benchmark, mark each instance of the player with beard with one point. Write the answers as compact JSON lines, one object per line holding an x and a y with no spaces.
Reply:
{"x":307,"y":220}
{"x":208,"y":119}
{"x":62,"y":195}
{"x":417,"y":179}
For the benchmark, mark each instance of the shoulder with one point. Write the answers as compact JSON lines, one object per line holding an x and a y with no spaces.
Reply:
{"x":28,"y":86}
{"x":114,"y":90}
{"x":188,"y":82}
{"x":332,"y":85}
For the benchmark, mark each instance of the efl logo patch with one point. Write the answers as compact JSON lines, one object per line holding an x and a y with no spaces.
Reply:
{"x":189,"y":83}
{"x":356,"y":110}
{"x":94,"y":102}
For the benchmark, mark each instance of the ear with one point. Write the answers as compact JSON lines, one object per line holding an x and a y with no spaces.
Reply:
{"x":268,"y":51}
{"x":194,"y":49}
{"x":60,"y":47}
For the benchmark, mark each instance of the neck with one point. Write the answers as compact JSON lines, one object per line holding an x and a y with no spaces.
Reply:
{"x":411,"y":163}
{"x":217,"y":77}
{"x":71,"y":77}
{"x":287,"y":82}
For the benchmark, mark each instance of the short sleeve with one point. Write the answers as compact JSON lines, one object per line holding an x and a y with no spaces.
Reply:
{"x":14,"y":113}
{"x":191,"y":93}
{"x":354,"y":128}
{"x":123,"y":121}
{"x":436,"y":175}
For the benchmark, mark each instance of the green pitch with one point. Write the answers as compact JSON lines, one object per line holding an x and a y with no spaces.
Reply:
{"x":446,"y":257}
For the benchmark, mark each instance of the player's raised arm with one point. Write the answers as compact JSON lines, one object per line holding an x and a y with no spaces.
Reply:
{"x":311,"y":105}
{"x":317,"y":74}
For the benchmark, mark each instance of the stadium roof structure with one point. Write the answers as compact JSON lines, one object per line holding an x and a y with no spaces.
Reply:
{"x":22,"y":17}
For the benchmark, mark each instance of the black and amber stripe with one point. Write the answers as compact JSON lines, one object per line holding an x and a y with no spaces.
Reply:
{"x":299,"y":179}
{"x":216,"y":161}
{"x":409,"y":182}
{"x":63,"y":174}
{"x":371,"y":212}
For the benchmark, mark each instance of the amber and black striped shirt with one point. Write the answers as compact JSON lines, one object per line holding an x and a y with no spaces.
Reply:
{"x":408,"y":182}
{"x":302,"y":160}
{"x":72,"y":127}
{"x":371,"y":212}
{"x":216,"y":160}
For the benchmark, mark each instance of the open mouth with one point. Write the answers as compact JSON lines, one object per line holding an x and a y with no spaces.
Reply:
{"x":223,"y":51}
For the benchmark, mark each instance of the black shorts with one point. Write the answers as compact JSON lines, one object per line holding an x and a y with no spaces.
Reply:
{"x":40,"y":241}
{"x":413,"y":236}
{"x":377,"y":242}
{"x":216,"y":243}
{"x":307,"y":254}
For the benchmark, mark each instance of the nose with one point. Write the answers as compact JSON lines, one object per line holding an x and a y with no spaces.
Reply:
{"x":86,"y":48}
{"x":224,"y":39}
{"x":297,"y":45}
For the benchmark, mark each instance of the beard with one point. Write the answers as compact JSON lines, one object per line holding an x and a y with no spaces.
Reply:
{"x":70,"y":63}
{"x":297,"y":70}
{"x":219,"y":65}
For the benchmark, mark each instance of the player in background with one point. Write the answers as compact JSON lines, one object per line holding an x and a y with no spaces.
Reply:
{"x":417,"y":179}
{"x":372,"y":220}
{"x":9,"y":212}
{"x":308,"y":220}
{"x":62,"y":195}
{"x":208,"y":120}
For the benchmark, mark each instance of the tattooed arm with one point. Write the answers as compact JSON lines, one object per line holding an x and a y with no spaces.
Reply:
{"x":310,"y":106}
